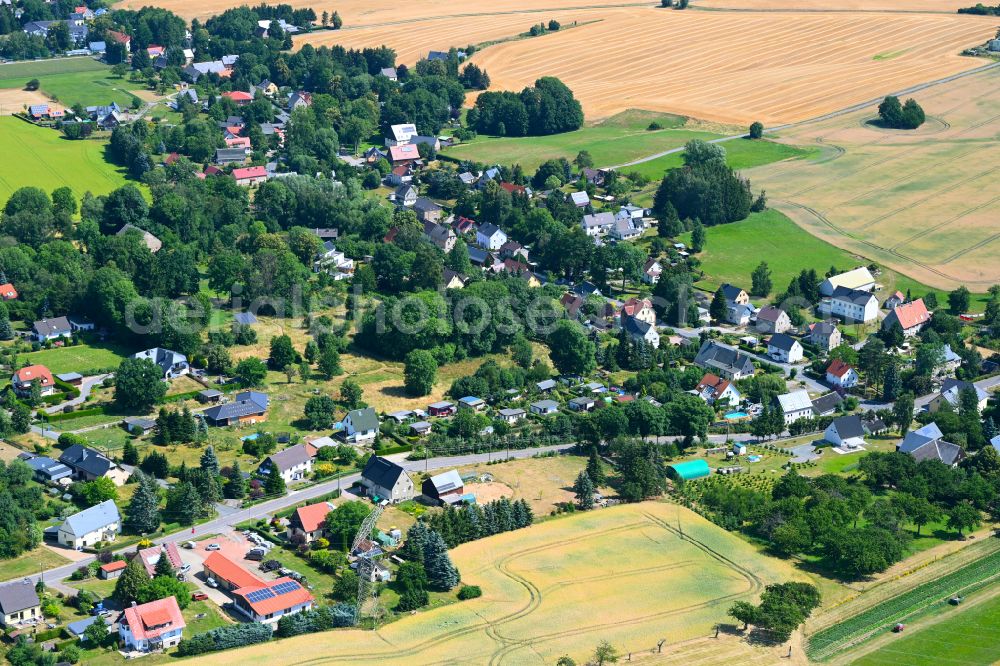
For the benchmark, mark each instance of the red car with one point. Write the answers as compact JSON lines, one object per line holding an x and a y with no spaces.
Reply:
{"x":198,"y":596}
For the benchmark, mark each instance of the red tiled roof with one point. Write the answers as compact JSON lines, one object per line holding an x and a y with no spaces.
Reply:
{"x":513,"y":188}
{"x":155,"y":618}
{"x":238,"y":142}
{"x":311,"y":517}
{"x":114,"y":566}
{"x":238,"y":96}
{"x":171,"y":158}
{"x":30,"y":373}
{"x":278,"y":602}
{"x":249,"y":172}
{"x":407,"y":152}
{"x":912,"y":314}
{"x":838,"y":368}
{"x":8,"y":292}
{"x":633,"y":306}
{"x":119,"y":37}
{"x":714,"y":382}
{"x":224,"y":568}
{"x":150,"y":556}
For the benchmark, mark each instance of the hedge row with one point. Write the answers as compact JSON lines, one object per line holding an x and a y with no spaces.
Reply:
{"x":67,"y":416}
{"x":224,"y":638}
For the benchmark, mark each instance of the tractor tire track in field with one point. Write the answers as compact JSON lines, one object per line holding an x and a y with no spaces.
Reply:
{"x":449,"y":635}
{"x":755,"y":585}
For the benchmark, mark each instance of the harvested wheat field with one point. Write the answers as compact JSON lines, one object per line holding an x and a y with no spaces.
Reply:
{"x":929,"y":6}
{"x":14,"y":100}
{"x":412,"y":40}
{"x":375,"y":12}
{"x":624,"y":574}
{"x":737,"y":67}
{"x":922,"y":202}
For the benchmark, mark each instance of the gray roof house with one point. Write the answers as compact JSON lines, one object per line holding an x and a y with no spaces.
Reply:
{"x":88,"y":464}
{"x":225,"y":156}
{"x":101,"y":522}
{"x":172,"y":364}
{"x":544,"y":407}
{"x":246,"y":407}
{"x":49,"y":329}
{"x":847,"y":432}
{"x":927,"y":443}
{"x":387,"y":480}
{"x":361,"y":425}
{"x":293,"y":463}
{"x":724,"y":361}
{"x":48,"y":470}
{"x":18,"y":602}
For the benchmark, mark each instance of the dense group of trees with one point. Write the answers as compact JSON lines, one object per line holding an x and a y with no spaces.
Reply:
{"x":468,"y":523}
{"x":900,"y":116}
{"x":705,"y":189}
{"x":547,"y":108}
{"x":782,"y":608}
{"x":21,"y":501}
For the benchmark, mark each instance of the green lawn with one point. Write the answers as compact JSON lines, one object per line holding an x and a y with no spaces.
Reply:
{"x":71,"y":81}
{"x":618,"y":139}
{"x":732,"y":251}
{"x":77,"y":358}
{"x":740,"y":154}
{"x":963,"y":637}
{"x":30,"y":563}
{"x":43,"y":158}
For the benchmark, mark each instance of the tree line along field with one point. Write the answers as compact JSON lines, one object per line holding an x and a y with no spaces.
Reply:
{"x":791,"y":66}
{"x":40,"y":157}
{"x":622,"y":574}
{"x":920,"y":201}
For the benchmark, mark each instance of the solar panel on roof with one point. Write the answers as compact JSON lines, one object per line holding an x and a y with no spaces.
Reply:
{"x":285,"y":588}
{"x":260,"y":595}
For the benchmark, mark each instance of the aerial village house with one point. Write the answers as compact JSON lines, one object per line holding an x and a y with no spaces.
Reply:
{"x":229,"y":575}
{"x":911,"y":317}
{"x":19,"y":603}
{"x":853,"y":305}
{"x":152,"y":242}
{"x":88,"y":464}
{"x":361,"y":425}
{"x":172,"y":364}
{"x":826,"y":404}
{"x":441,"y":409}
{"x":8,"y":292}
{"x":248,"y":407}
{"x":581,"y":200}
{"x":825,"y":335}
{"x":248,"y":176}
{"x":951,"y":391}
{"x":784,"y":348}
{"x":841,"y":374}
{"x":582,"y":404}
{"x":47,"y":470}
{"x":490,"y":237}
{"x":794,"y":406}
{"x":442,"y":236}
{"x":111,"y":570}
{"x":651,"y":271}
{"x":724,"y":361}
{"x":641,"y":330}
{"x":511,"y":415}
{"x":293,"y":464}
{"x":30,"y":375}
{"x":150,"y":556}
{"x":444,"y":488}
{"x":847,"y":432}
{"x":544,"y":407}
{"x":100,"y":522}
{"x":472,"y":402}
{"x":309,"y":521}
{"x":385,"y":479}
{"x":268,"y":601}
{"x":641,"y":309}
{"x":157,"y":625}
{"x":52,"y":329}
{"x":427,"y":210}
{"x":597,"y":224}
{"x":404,"y":154}
{"x":927,"y":443}
{"x":773,"y":320}
{"x":858,"y":279}
{"x":401,"y":135}
{"x":734,"y":294}
{"x":716,"y":390}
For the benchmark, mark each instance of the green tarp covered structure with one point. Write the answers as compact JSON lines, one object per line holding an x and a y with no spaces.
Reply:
{"x":691,"y":469}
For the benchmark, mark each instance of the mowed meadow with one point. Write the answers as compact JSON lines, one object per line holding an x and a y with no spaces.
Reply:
{"x":923,"y":202}
{"x":623,"y":574}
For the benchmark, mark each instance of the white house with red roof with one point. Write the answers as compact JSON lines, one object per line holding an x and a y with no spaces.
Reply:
{"x":714,"y":389}
{"x":154,"y":626}
{"x":8,"y":292}
{"x":404,"y":153}
{"x":270,"y":600}
{"x":639,"y":308}
{"x":247,"y":176}
{"x":651,"y":271}
{"x":841,"y":374}
{"x":911,"y":317}
{"x":29,"y":375}
{"x":309,"y":521}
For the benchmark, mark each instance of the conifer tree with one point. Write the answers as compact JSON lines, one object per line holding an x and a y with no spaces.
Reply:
{"x":132,"y":580}
{"x":584,"y":490}
{"x":163,"y":566}
{"x":441,"y":572}
{"x":142,"y":515}
{"x":236,"y":488}
{"x":412,"y":549}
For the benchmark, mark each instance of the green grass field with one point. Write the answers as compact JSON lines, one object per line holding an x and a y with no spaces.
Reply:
{"x":732,"y":251}
{"x":30,"y":563}
{"x":71,"y":81}
{"x":43,"y":158}
{"x":740,"y":154}
{"x":618,"y":139}
{"x":77,"y":358}
{"x":963,"y":637}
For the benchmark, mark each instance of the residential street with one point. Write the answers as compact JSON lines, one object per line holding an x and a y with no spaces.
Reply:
{"x":228,"y":518}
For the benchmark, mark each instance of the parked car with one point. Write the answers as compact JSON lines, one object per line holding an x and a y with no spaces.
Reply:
{"x":211,"y":582}
{"x":190,"y":545}
{"x":255,"y":554}
{"x":213,"y":546}
{"x":270,"y":565}
{"x":185,"y":568}
{"x":198,"y":596}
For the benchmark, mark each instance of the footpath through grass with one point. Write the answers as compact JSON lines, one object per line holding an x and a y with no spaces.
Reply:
{"x":44,"y":158}
{"x":931,"y":596}
{"x":966,"y":638}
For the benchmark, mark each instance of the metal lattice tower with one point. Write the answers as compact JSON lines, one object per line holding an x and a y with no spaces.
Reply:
{"x":366,"y":566}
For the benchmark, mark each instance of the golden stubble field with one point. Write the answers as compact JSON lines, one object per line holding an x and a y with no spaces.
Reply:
{"x":622,"y":574}
{"x":923,"y":202}
{"x":737,"y":67}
